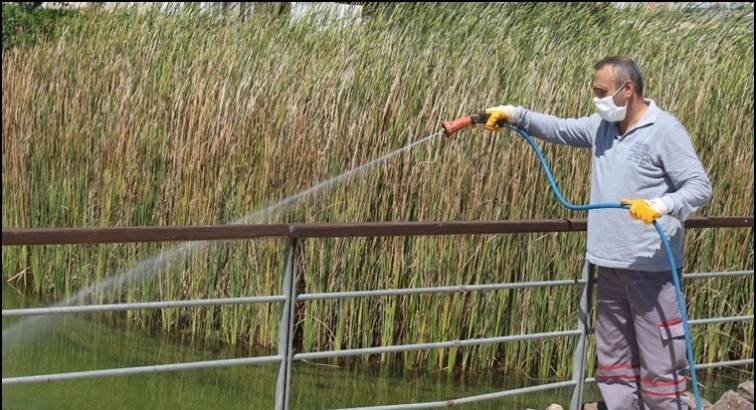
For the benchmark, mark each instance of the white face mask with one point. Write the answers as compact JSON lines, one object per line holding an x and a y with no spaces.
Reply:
{"x":608,"y":110}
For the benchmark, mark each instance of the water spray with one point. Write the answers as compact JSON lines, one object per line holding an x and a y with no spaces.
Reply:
{"x":453,"y":126}
{"x":26,"y":330}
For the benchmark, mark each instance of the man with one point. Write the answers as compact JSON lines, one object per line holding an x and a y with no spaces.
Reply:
{"x":642,"y":152}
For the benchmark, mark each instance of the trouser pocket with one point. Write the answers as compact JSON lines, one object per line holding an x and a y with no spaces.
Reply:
{"x":671,"y":330}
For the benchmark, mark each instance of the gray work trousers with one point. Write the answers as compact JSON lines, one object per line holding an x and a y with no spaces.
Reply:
{"x":640,"y":341}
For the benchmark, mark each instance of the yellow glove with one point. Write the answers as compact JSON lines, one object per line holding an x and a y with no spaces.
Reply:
{"x":645,"y":210}
{"x":496,"y":114}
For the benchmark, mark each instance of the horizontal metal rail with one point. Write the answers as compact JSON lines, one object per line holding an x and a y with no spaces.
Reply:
{"x":334,"y":296}
{"x":277,"y":358}
{"x":112,"y":307}
{"x":124,"y":371}
{"x":717,"y":320}
{"x":432,"y":345}
{"x":708,"y":275}
{"x":733,"y":363}
{"x":436,"y":290}
{"x":71,"y":236}
{"x":268,"y":359}
{"x":346,"y":353}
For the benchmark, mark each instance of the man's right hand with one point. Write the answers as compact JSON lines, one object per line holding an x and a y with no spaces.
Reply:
{"x":496,"y":114}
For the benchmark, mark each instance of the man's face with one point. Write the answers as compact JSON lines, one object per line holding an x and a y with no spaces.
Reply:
{"x":604,"y":85}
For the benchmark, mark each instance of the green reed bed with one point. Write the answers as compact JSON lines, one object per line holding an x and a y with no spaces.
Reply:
{"x":133,"y":120}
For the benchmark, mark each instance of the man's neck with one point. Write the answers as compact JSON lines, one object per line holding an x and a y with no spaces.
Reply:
{"x":634,"y":114}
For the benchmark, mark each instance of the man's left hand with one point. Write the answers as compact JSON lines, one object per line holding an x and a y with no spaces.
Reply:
{"x":646,"y":210}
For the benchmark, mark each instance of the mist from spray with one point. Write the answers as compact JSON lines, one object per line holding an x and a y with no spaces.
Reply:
{"x":28,"y":329}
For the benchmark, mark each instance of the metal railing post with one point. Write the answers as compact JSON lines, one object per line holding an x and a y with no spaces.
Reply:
{"x":578,"y":366}
{"x":286,"y":328}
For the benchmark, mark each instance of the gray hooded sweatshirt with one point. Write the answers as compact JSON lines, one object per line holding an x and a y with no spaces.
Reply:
{"x":655,"y":159}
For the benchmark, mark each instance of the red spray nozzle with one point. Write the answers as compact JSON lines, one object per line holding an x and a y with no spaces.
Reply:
{"x":451,"y":127}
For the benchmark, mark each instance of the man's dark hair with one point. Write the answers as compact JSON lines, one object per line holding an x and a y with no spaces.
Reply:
{"x":624,"y":69}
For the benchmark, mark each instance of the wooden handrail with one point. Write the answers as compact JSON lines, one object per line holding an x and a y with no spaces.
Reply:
{"x":95,"y":235}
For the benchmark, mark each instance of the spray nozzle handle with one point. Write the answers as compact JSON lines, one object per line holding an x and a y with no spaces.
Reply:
{"x":451,"y":127}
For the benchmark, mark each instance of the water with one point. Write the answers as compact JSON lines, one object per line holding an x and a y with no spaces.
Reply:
{"x":80,"y":345}
{"x":31,"y":328}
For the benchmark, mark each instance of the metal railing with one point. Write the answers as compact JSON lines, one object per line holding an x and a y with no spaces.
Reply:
{"x":296,"y":232}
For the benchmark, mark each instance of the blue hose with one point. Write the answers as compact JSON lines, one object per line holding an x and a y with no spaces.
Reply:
{"x":665,"y":241}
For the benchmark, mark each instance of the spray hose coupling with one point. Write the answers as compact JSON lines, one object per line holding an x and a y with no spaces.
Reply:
{"x":451,"y":127}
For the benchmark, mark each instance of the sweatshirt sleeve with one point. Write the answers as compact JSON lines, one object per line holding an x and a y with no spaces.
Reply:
{"x":575,"y":132}
{"x":692,"y":187}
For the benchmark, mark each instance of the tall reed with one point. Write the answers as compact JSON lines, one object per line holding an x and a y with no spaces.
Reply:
{"x":146,"y":119}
